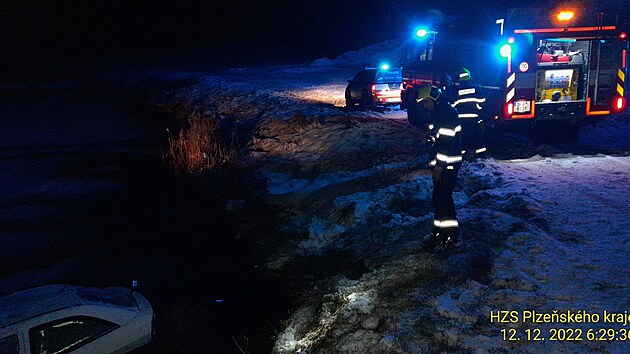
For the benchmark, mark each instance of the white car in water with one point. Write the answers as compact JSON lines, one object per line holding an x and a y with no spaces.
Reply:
{"x":74,"y":319}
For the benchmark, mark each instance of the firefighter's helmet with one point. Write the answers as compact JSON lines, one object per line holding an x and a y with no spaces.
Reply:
{"x":464,"y":74}
{"x":428,"y":91}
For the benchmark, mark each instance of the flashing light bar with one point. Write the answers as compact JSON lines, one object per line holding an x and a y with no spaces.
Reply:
{"x":565,"y":15}
{"x":566,"y":29}
{"x":582,"y":29}
{"x":422,"y":32}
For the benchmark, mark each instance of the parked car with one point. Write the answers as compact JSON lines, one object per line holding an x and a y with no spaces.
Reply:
{"x":74,"y":319}
{"x":374,"y":86}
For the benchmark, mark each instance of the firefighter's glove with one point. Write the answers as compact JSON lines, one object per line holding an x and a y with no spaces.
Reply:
{"x":437,"y":174}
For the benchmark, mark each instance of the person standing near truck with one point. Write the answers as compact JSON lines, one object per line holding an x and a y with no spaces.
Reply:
{"x":468,"y":100}
{"x":445,"y":129}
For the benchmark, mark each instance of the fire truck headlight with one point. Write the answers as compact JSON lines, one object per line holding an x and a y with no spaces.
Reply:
{"x":506,"y":50}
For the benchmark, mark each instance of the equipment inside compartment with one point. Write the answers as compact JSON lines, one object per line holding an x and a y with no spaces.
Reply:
{"x":562,"y":63}
{"x":561,"y":50}
{"x":555,"y":85}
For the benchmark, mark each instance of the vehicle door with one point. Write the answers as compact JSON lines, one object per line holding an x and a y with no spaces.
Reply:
{"x":605,"y":64}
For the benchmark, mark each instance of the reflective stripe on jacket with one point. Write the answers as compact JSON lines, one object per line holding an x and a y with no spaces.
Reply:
{"x":445,"y":134}
{"x":469,"y":101}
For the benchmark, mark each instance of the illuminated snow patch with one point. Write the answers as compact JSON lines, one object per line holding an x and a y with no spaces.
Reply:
{"x":282,"y":183}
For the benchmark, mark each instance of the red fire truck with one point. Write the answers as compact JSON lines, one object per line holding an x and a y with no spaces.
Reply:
{"x":570,"y":70}
{"x":560,"y":65}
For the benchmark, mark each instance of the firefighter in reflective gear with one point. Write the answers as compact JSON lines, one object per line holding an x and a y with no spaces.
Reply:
{"x":469,"y":104}
{"x":446,"y":159}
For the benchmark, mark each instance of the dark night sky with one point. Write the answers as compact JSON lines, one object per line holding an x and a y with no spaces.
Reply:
{"x":46,"y":35}
{"x":42,"y":33}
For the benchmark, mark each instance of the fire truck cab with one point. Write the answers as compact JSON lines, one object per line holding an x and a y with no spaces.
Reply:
{"x":566,"y":65}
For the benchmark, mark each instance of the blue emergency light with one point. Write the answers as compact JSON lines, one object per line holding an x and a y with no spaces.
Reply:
{"x":422,"y":32}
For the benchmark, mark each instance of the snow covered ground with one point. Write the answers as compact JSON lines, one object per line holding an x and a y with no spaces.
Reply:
{"x":545,"y":234}
{"x":577,"y":258}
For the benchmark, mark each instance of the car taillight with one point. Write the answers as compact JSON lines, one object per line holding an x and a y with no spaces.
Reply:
{"x":373,"y":88}
{"x":620,"y":104}
{"x":509,"y":108}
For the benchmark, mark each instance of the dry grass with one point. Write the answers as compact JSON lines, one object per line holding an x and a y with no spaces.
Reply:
{"x":201,"y":145}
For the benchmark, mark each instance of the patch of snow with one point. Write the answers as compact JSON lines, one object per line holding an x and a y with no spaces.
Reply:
{"x":360,"y":302}
{"x":377,"y":202}
{"x":282,"y":183}
{"x":320,"y":236}
{"x":552,"y":232}
{"x":399,"y":221}
{"x":579,"y":262}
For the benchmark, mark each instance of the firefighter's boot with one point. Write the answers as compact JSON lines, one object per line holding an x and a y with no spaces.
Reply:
{"x":430,"y":241}
{"x":448,"y":240}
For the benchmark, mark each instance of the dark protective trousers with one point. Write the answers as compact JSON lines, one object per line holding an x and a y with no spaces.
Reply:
{"x":472,"y":134}
{"x":443,"y":199}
